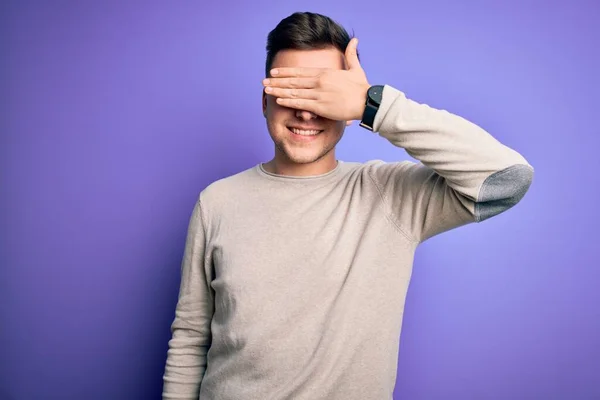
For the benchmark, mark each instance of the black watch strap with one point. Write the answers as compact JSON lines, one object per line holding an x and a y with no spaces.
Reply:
{"x":368,"y":117}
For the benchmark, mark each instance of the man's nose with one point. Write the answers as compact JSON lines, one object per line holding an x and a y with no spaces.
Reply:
{"x":305,"y":115}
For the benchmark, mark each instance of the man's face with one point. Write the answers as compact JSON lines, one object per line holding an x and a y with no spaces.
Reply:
{"x":293,"y":131}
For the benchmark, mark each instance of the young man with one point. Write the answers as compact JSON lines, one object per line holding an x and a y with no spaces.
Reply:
{"x":295,"y":271}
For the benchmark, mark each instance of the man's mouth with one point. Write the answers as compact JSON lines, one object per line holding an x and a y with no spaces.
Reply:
{"x":304,"y":132}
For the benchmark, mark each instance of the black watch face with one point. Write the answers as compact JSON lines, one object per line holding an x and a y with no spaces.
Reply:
{"x":375,"y":94}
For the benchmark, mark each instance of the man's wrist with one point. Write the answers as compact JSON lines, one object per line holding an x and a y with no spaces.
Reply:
{"x":363,"y":101}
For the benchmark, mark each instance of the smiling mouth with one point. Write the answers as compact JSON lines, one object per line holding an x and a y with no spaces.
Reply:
{"x":304,"y":132}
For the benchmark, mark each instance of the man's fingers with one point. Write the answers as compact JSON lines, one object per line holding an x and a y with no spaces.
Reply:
{"x":292,"y":93}
{"x":284,"y":72}
{"x":301,"y":83}
{"x":299,"y":104}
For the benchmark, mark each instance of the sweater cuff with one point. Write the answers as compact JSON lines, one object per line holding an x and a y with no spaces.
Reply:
{"x":390,"y":94}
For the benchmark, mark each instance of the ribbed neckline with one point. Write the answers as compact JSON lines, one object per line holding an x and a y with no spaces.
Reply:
{"x":299,"y":179}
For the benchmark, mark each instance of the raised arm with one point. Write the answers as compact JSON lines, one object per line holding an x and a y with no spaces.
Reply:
{"x":465,"y":174}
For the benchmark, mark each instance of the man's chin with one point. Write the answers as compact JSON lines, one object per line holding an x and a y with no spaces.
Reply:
{"x":302,"y":154}
{"x":302,"y":160}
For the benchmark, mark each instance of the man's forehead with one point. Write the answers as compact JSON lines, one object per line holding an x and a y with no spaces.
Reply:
{"x":317,"y":58}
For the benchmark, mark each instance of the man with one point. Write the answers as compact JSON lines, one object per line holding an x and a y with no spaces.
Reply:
{"x":295,"y":271}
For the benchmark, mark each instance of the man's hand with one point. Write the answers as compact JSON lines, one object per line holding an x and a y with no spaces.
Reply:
{"x":334,"y":94}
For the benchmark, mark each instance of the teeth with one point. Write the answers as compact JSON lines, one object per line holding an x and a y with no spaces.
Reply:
{"x":304,"y":132}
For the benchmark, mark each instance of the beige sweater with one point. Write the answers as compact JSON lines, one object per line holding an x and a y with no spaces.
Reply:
{"x":294,"y":287}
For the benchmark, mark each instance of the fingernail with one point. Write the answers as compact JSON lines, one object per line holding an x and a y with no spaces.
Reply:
{"x":268,"y":89}
{"x":274,"y":72}
{"x":266,"y":81}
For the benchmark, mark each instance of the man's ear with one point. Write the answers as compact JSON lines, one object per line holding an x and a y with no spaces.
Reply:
{"x":264,"y":103}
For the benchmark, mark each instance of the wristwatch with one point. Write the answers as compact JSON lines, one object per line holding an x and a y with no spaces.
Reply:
{"x":374,"y":95}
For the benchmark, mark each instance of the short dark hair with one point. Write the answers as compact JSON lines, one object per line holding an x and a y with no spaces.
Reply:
{"x":305,"y":31}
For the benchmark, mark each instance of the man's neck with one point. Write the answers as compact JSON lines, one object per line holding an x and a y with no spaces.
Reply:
{"x":320,"y":167}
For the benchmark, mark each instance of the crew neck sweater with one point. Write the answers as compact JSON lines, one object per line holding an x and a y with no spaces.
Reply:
{"x":293,"y":287}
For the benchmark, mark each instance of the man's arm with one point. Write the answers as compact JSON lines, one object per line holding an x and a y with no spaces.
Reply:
{"x":191,"y":335}
{"x":465,"y":174}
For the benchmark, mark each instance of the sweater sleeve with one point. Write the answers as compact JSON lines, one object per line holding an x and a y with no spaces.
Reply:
{"x":191,"y":335}
{"x":464,"y":175}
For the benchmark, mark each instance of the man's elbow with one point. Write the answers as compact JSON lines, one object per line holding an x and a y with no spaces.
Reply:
{"x":503,"y":190}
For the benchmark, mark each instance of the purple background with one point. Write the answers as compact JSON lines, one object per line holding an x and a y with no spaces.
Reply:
{"x":115,"y":116}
